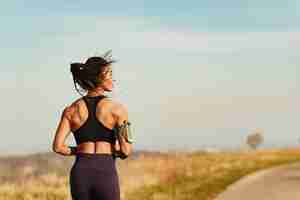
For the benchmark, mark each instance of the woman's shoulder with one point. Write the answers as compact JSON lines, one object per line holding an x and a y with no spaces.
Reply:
{"x":75,"y":103}
{"x":119,"y":108}
{"x":114,"y":105}
{"x":118,"y":105}
{"x":73,"y":106}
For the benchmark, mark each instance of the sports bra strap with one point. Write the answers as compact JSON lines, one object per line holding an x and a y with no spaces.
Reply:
{"x":91,"y":104}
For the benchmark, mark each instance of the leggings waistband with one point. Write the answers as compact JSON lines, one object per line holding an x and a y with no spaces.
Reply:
{"x":99,"y":161}
{"x":83,"y":154}
{"x":94,"y":156}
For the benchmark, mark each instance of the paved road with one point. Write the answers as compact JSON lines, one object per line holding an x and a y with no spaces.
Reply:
{"x":278,"y":183}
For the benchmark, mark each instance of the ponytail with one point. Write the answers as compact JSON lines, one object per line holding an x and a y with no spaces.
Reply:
{"x":86,"y":75}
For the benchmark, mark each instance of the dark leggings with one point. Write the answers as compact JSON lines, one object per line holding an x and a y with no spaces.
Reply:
{"x":94,"y":177}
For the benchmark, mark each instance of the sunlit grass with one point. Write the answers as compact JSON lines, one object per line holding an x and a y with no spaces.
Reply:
{"x":204,"y":175}
{"x":161,"y":176}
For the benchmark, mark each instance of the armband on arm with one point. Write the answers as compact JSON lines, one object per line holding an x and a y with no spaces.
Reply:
{"x":123,"y":132}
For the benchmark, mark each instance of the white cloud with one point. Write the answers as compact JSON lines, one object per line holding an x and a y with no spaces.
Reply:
{"x":148,"y":34}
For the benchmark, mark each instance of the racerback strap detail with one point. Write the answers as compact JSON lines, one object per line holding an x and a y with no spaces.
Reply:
{"x":91,"y":104}
{"x":93,"y":129}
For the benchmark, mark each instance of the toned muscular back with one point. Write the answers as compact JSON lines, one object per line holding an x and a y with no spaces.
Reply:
{"x":108,"y":112}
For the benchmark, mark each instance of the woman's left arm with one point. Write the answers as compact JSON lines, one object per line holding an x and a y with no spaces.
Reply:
{"x":62,"y":132}
{"x":123,"y":145}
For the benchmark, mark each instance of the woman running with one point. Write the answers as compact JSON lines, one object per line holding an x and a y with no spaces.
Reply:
{"x":101,"y":130}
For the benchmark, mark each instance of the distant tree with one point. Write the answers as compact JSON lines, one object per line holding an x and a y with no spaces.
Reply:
{"x":255,"y":139}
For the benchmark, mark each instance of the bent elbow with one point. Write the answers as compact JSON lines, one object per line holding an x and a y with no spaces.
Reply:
{"x":55,"y":148}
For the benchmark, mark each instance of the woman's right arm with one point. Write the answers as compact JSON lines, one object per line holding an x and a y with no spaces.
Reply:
{"x":62,"y":132}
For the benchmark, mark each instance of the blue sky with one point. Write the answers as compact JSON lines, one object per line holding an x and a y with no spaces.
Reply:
{"x":229,"y":67}
{"x":228,"y":15}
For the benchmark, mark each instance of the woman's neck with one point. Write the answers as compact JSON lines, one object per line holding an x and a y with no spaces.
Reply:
{"x":96,"y":92}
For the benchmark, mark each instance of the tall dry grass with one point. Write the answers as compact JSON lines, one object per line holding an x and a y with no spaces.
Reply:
{"x":148,"y":176}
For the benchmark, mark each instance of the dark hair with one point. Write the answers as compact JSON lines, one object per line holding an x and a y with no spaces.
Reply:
{"x":86,"y":75}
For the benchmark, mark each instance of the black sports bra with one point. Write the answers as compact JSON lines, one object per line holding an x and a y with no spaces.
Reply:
{"x":92,"y":129}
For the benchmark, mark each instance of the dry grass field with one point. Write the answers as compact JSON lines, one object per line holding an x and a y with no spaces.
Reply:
{"x":198,"y":175}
